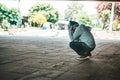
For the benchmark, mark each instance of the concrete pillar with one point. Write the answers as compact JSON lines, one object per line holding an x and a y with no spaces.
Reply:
{"x":112,"y":15}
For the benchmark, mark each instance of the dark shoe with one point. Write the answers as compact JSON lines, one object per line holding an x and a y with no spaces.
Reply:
{"x":86,"y":55}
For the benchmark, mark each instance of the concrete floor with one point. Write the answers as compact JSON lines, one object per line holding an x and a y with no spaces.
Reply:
{"x":35,"y":57}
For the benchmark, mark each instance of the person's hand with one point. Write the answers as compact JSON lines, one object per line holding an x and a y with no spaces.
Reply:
{"x":69,"y":27}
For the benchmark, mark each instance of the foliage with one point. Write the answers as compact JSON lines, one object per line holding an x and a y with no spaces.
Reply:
{"x":38,"y":18}
{"x":104,"y":10}
{"x":9,"y":14}
{"x":116,"y":24}
{"x":103,"y":6}
{"x":84,"y":19}
{"x":3,"y":12}
{"x":46,"y":10}
{"x":105,"y":15}
{"x":14,"y":15}
{"x":107,"y":6}
{"x":5,"y":24}
{"x":73,"y":11}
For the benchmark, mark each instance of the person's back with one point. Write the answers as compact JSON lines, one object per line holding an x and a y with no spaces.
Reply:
{"x":85,"y":36}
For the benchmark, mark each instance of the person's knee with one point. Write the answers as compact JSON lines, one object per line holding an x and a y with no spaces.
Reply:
{"x":71,"y":44}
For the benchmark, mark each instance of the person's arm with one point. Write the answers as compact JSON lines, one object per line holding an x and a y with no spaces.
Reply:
{"x":70,"y":33}
{"x":77,"y":33}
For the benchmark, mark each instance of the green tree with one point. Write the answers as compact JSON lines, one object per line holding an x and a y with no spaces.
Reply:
{"x":3,"y":12}
{"x":74,"y":9}
{"x":5,"y":24}
{"x":11,"y":15}
{"x":47,"y":10}
{"x":38,"y":18}
{"x":84,"y":19}
{"x":14,"y":15}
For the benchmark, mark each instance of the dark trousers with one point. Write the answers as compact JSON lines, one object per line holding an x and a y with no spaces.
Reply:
{"x":80,"y":47}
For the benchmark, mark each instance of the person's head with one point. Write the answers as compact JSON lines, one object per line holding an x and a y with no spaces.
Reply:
{"x":73,"y":24}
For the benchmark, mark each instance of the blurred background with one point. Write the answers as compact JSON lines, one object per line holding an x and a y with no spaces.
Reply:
{"x":55,"y":15}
